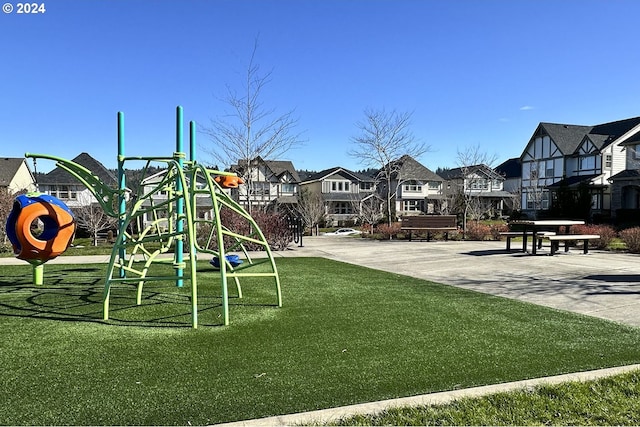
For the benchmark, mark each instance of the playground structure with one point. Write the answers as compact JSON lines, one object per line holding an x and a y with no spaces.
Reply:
{"x":161,"y":218}
{"x":58,"y":224}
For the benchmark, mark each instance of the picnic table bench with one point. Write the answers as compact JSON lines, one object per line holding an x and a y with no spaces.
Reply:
{"x":539,"y":235}
{"x":566,"y":238}
{"x":429,"y":224}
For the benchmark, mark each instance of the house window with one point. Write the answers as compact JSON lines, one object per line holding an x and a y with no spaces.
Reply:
{"x":434,"y":185}
{"x":608,"y":161}
{"x":413,"y":186}
{"x":340,"y":186}
{"x":479,"y":184}
{"x":366,"y":186}
{"x":342,"y":208}
{"x":288,"y":188}
{"x":411,"y":205}
{"x":586,"y":163}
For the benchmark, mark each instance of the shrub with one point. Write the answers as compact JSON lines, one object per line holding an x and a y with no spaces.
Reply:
{"x":606,"y":233}
{"x":631,"y":238}
{"x":477,"y":231}
{"x":496,"y":229}
{"x":274,"y":227}
{"x":388,"y":231}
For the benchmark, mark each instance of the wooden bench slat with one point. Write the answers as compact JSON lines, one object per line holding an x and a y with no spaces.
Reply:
{"x":429,"y":223}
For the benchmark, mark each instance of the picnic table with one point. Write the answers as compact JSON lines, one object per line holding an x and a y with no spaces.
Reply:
{"x":533,"y":227}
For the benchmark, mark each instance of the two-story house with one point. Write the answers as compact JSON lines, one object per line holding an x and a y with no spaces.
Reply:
{"x":59,"y":183}
{"x":625,"y":185}
{"x":417,"y":189}
{"x":342,"y":192}
{"x":271,"y":183}
{"x":572,"y":156}
{"x":15,"y":175}
{"x":478,"y":188}
{"x":511,"y":171}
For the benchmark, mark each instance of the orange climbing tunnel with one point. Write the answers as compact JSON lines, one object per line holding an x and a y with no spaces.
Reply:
{"x":58,"y":227}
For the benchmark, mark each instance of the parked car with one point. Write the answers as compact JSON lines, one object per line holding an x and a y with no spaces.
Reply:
{"x":343,"y":232}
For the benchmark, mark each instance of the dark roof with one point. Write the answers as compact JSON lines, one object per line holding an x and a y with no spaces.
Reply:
{"x":457,"y":173}
{"x":60,"y":176}
{"x":566,"y":137}
{"x":410,"y":168}
{"x":573,"y":180}
{"x":9,"y":167}
{"x":280,"y":167}
{"x":626,"y":174}
{"x":327,"y":172}
{"x":511,"y":168}
{"x":569,"y":137}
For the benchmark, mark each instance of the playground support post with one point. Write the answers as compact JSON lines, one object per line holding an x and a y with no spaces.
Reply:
{"x":179,"y":249}
{"x":122,"y":202}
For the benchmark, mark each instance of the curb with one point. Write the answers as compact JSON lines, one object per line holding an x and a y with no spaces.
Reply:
{"x":324,"y":416}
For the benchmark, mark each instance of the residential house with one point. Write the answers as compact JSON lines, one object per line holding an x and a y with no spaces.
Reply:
{"x":625,"y":185}
{"x":15,"y":175}
{"x":480,"y":186}
{"x":511,"y":171}
{"x":61,"y":184}
{"x":417,"y":189}
{"x":342,"y":192}
{"x":268,"y":183}
{"x":572,"y":156}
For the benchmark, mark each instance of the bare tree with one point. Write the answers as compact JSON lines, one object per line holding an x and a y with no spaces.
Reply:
{"x":249,"y":130}
{"x":6,"y":206}
{"x":311,"y":209}
{"x":471,"y":160}
{"x":384,"y":138}
{"x":91,"y":217}
{"x":368,"y":210}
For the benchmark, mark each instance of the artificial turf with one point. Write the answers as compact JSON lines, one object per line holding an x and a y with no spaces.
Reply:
{"x":344,"y":335}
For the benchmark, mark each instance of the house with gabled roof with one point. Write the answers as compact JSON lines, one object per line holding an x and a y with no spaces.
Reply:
{"x":572,"y":157}
{"x":625,"y":185}
{"x":480,"y":183}
{"x":15,"y":175}
{"x":342,"y":192}
{"x":418,"y":190}
{"x":61,"y":184}
{"x":267,"y":183}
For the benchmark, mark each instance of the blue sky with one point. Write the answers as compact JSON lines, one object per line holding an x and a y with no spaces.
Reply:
{"x":473,"y":72}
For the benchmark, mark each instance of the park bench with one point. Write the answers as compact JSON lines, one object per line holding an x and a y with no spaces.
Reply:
{"x":428,"y":224}
{"x":511,"y":234}
{"x":566,"y":238}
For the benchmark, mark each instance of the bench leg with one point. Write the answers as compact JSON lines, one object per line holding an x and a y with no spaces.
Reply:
{"x":540,"y":243}
{"x":554,"y":247}
{"x":508,"y":243}
{"x":585,"y":249}
{"x":566,"y":246}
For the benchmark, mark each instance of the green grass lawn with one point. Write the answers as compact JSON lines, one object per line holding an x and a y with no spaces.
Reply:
{"x":606,"y":402}
{"x":345,"y":335}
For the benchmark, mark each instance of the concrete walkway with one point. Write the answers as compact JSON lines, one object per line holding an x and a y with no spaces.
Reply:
{"x":601,"y":284}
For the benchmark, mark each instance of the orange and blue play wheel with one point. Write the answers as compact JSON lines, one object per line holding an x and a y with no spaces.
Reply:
{"x":57,"y":220}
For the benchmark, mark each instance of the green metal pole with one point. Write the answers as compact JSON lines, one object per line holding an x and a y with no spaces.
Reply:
{"x":180,"y":201}
{"x":192,"y":141}
{"x":122,"y":202}
{"x":38,"y":274}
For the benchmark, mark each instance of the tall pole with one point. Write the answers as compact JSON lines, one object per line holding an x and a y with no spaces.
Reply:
{"x":122,"y":185}
{"x":192,"y":141}
{"x":179,"y":259}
